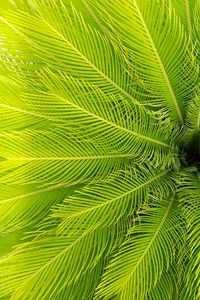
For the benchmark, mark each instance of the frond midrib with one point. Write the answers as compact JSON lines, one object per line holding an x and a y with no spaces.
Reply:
{"x":121,"y":195}
{"x":152,"y":240}
{"x":71,"y":158}
{"x":154,"y":141}
{"x":188,"y":18}
{"x":162,"y":67}
{"x":51,"y":261}
{"x":114,"y":84}
{"x":44,"y":190}
{"x":34,"y":114}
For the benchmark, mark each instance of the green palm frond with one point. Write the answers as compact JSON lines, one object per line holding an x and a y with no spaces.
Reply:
{"x":101,"y":117}
{"x":73,"y":49}
{"x":106,"y":203}
{"x":165,"y":287}
{"x":53,"y":158}
{"x":99,"y":150}
{"x":168,"y":70}
{"x":84,"y":286}
{"x":190,"y":204}
{"x":96,"y":116}
{"x":186,"y":10}
{"x":28,"y":205}
{"x":34,"y":265}
{"x":196,"y":25}
{"x":192,"y":123}
{"x":14,"y":114}
{"x":10,"y":239}
{"x":143,"y":256}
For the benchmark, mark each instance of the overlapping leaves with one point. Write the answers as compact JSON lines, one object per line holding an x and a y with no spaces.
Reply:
{"x":99,"y":103}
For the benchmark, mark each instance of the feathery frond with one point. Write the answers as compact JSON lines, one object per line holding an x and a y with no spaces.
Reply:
{"x":31,"y":266}
{"x":53,"y":158}
{"x":99,"y":150}
{"x":108,"y":202}
{"x":190,"y":205}
{"x":70,"y":51}
{"x":141,"y":259}
{"x":169,"y":75}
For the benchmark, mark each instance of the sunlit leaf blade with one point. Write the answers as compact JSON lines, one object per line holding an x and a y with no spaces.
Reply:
{"x":102,"y":117}
{"x":142,"y":258}
{"x":190,"y":205}
{"x":99,"y":150}
{"x":51,"y":157}
{"x":70,"y":51}
{"x":107,"y":203}
{"x":165,"y":287}
{"x":169,"y":75}
{"x":84,"y":286}
{"x":185,"y":10}
{"x":69,"y":257}
{"x":21,"y":206}
{"x":197,"y":26}
{"x":15,"y":114}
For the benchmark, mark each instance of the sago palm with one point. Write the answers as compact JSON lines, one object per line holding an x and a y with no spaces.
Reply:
{"x":99,"y":147}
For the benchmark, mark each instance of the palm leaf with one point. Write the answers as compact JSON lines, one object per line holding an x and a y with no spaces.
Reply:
{"x":99,"y":116}
{"x":73,"y":50}
{"x":15,"y":114}
{"x":140,"y":261}
{"x":196,"y":25}
{"x":166,"y":68}
{"x":99,"y":150}
{"x":34,"y":266}
{"x":190,"y":204}
{"x":52,"y":157}
{"x":84,"y":286}
{"x":165,"y":287}
{"x":9,"y":240}
{"x":21,"y":206}
{"x":108,"y":202}
{"x":192,"y":125}
{"x":185,"y":11}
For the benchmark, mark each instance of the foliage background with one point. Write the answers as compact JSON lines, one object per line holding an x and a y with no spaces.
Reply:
{"x":99,"y":147}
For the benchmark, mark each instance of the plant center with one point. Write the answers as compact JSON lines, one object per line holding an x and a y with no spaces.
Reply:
{"x":191,"y":153}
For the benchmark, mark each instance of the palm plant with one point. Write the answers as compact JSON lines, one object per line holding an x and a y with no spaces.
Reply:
{"x":100,"y":145}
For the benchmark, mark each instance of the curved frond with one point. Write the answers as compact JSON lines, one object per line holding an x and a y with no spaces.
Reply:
{"x":185,"y":10}
{"x":48,"y":264}
{"x":14,"y":115}
{"x":197,"y":26}
{"x":193,"y":118}
{"x":107,"y":203}
{"x":52,"y":157}
{"x":106,"y":119}
{"x":84,"y":286}
{"x":189,"y":193}
{"x":82,"y":51}
{"x":8,"y":240}
{"x":28,"y":205}
{"x":165,"y":288}
{"x":147,"y":251}
{"x":192,"y":126}
{"x":169,"y":75}
{"x":99,"y":150}
{"x":102,"y":117}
